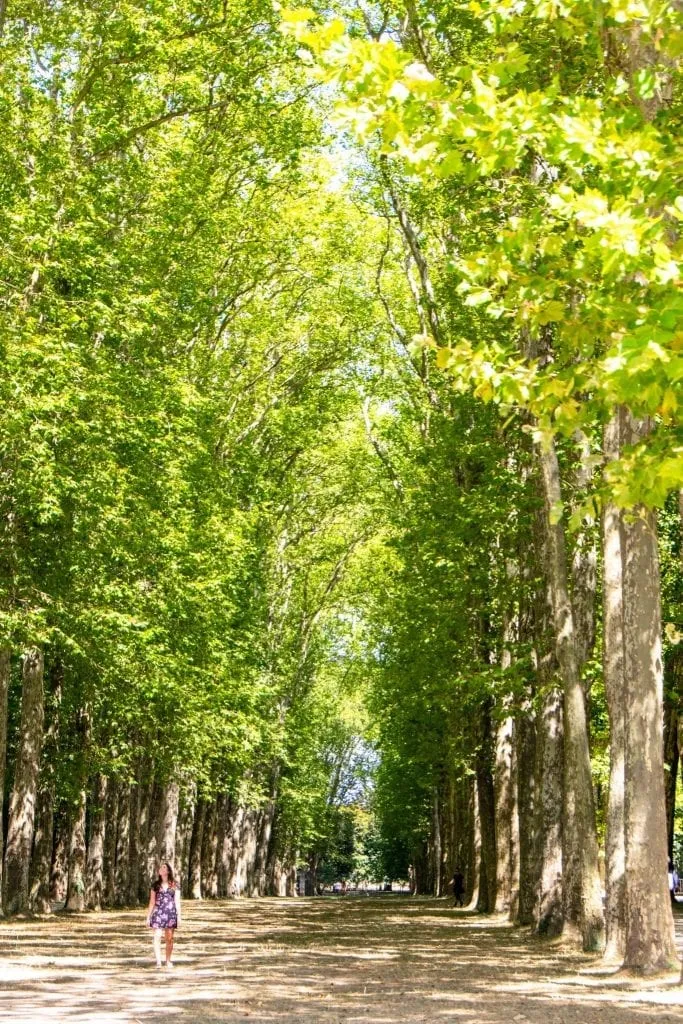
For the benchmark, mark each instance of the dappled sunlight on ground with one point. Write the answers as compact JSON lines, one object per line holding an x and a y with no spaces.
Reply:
{"x":384,"y":960}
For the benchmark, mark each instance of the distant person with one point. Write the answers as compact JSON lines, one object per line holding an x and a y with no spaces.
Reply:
{"x":671,"y":876}
{"x":163,"y":912}
{"x":458,"y":883}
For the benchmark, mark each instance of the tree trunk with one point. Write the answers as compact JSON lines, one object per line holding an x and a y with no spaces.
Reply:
{"x":209,"y":852}
{"x":505,"y":804}
{"x":144,"y":824}
{"x":525,"y":742}
{"x":673,"y":730}
{"x":5,"y":674}
{"x":247,"y":843}
{"x":222,"y":829}
{"x":650,"y":943}
{"x":169,"y":823}
{"x":437,"y":852}
{"x":111,"y":814}
{"x":195,"y":886}
{"x":487,"y":816}
{"x":43,"y":840}
{"x":233,"y":879}
{"x":154,"y":821}
{"x":613,"y":668}
{"x":581,"y":878}
{"x":41,"y":861}
{"x":135,"y":851}
{"x":60,"y":857}
{"x":549,"y":910}
{"x":513,"y":908}
{"x":24,"y":791}
{"x":94,"y":888}
{"x":123,"y":847}
{"x":474,"y":880}
{"x":265,"y":827}
{"x":184,"y":835}
{"x":671,"y":760}
{"x":75,"y":897}
{"x":584,"y":564}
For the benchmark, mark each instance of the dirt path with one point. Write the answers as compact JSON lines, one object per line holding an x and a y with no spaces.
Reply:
{"x":343,"y":961}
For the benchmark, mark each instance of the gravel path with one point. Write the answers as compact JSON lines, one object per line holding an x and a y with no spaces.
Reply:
{"x":353,"y":960}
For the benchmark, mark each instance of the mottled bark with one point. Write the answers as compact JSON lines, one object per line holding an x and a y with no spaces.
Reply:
{"x":258,"y":881}
{"x":584,"y":574}
{"x":475,"y":876}
{"x":673,"y":734}
{"x":60,"y":856}
{"x":5,"y":666}
{"x":184,"y":834}
{"x":75,"y":894}
{"x":513,"y":908}
{"x":225,"y":846}
{"x":469,"y":838}
{"x":111,"y":814}
{"x":247,"y":841}
{"x":195,"y":868}
{"x":94,"y":871}
{"x":549,"y":905}
{"x":222,"y":827}
{"x":650,"y":941}
{"x":209,"y":852}
{"x":169,"y":823}
{"x":24,"y":791}
{"x":145,"y":811}
{"x":154,"y":821}
{"x":486,"y":900}
{"x":437,"y":852}
{"x":525,"y":746}
{"x":505,"y":811}
{"x":671,"y":761}
{"x":613,"y":667}
{"x":41,"y":861}
{"x":135,"y":849}
{"x":43,"y":841}
{"x":123,"y":847}
{"x":581,"y":880}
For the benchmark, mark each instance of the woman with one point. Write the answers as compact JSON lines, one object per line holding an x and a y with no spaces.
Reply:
{"x":163,"y":912}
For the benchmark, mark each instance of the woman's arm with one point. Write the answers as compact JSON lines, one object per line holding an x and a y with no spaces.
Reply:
{"x":177,"y":904}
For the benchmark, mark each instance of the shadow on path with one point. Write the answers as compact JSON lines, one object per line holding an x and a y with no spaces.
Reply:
{"x":333,"y":961}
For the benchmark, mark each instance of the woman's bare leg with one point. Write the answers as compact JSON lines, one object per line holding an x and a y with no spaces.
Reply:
{"x":157,"y":945}
{"x":169,"y":946}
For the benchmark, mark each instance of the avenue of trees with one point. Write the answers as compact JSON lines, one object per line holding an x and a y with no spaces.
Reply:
{"x":340,"y":453}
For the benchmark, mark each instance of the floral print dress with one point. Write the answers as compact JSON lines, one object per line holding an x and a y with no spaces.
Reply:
{"x":164,"y":914}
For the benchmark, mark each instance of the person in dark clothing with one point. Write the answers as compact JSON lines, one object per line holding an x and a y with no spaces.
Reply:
{"x":458,"y":884}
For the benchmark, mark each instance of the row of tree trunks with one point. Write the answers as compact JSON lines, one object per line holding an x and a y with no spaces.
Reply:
{"x":104,"y":847}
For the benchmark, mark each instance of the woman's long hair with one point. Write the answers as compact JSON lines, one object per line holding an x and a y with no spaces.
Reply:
{"x":156,"y":885}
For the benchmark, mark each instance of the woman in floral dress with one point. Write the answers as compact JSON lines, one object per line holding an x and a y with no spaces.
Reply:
{"x":163,"y":912}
